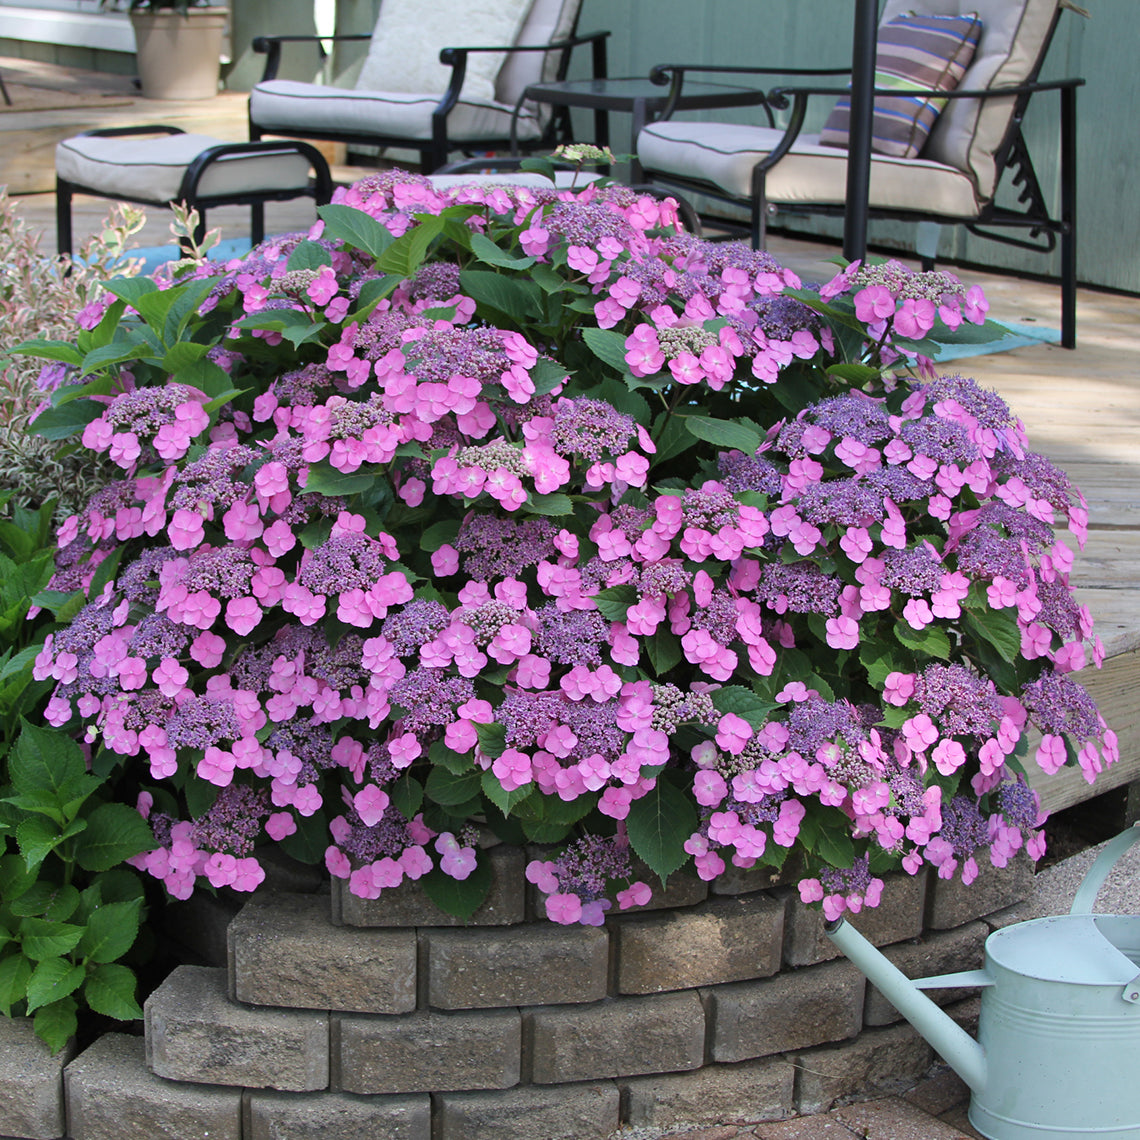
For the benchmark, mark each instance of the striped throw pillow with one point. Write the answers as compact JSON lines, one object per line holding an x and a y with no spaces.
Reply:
{"x":915,"y":53}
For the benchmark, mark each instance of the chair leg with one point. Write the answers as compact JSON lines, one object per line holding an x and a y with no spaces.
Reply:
{"x":759,"y":210}
{"x":63,"y":235}
{"x":1069,"y":217}
{"x":257,"y":223}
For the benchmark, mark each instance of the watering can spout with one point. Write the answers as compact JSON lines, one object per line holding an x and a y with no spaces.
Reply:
{"x":963,"y":1054}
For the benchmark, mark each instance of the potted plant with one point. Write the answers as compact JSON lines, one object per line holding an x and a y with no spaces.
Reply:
{"x":178,"y":44}
{"x":488,"y":514}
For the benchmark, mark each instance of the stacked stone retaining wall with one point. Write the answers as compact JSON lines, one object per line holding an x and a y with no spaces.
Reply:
{"x":331,"y":1016}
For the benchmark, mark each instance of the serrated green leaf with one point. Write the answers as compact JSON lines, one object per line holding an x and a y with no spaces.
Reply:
{"x":326,"y":480}
{"x":309,"y":255}
{"x":355,"y":227}
{"x":114,"y":832}
{"x":490,"y":254}
{"x":492,"y":739}
{"x":42,"y":939}
{"x":309,"y":842}
{"x":516,"y":298}
{"x":608,"y":346}
{"x":555,"y":505}
{"x":724,"y":433}
{"x":744,"y":703}
{"x":835,"y":847}
{"x":15,"y":970}
{"x":67,"y":420}
{"x":671,"y":437}
{"x":932,"y":639}
{"x":461,"y":898}
{"x":450,"y":789}
{"x":439,"y":534}
{"x":62,"y":350}
{"x":51,"y":980}
{"x":110,"y":990}
{"x":997,"y":627}
{"x":614,"y":602}
{"x":56,"y":1024}
{"x":664,"y":650}
{"x":15,"y":878}
{"x":498,"y":795}
{"x":111,"y":931}
{"x":406,"y":254}
{"x":38,"y":837}
{"x":406,"y":795}
{"x":44,"y":760}
{"x":546,"y":375}
{"x":46,"y":900}
{"x":854,"y":374}
{"x":658,"y":825}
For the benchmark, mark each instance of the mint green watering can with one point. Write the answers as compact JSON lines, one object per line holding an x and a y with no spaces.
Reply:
{"x":1058,"y":1049}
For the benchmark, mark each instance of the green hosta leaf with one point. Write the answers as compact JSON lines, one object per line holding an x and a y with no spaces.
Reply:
{"x":114,"y":832}
{"x":348,"y":224}
{"x":111,"y":931}
{"x":309,"y":255}
{"x":998,"y":628}
{"x":42,"y":939}
{"x":461,"y":898}
{"x":450,"y":790}
{"x":15,"y":970}
{"x":658,"y":825}
{"x":492,"y":739}
{"x":110,"y":990}
{"x":51,"y":980}
{"x":67,"y":420}
{"x":613,"y":603}
{"x":489,"y":253}
{"x":57,"y":1023}
{"x":555,"y":505}
{"x":744,"y":703}
{"x":608,"y":346}
{"x":724,"y":433}
{"x":932,"y":639}
{"x":498,"y":795}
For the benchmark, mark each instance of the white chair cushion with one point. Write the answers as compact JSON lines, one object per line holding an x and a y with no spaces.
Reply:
{"x":968,"y":132}
{"x":549,"y":20}
{"x":723,"y":155}
{"x":409,"y":35}
{"x":150,"y":168}
{"x":563,"y":180}
{"x":297,"y":107}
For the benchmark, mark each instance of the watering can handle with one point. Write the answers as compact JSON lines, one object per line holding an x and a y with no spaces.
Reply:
{"x":1099,"y":871}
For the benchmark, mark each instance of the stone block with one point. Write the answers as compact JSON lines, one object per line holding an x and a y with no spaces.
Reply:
{"x":193,"y":1033}
{"x":285,"y":951}
{"x":897,"y":917}
{"x":725,"y":940}
{"x":619,"y":1037}
{"x":427,"y":1052}
{"x":792,"y":1010}
{"x":750,"y":1090}
{"x":735,"y":880}
{"x":533,"y":964}
{"x":409,"y":905}
{"x":284,"y":873}
{"x":877,"y":1060}
{"x":561,"y":1112}
{"x":335,"y":1116}
{"x":112,"y":1096}
{"x":944,"y":953}
{"x":31,"y":1082}
{"x":950,"y":903}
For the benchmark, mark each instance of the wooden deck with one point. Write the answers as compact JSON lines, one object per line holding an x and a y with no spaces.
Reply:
{"x":1081,"y":408}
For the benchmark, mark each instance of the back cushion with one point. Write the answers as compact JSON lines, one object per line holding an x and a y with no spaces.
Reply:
{"x":409,"y":35}
{"x":1014,"y":35}
{"x":915,"y":53}
{"x":548,"y":20}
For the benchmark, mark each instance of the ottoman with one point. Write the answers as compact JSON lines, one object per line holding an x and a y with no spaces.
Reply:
{"x":159,"y":165}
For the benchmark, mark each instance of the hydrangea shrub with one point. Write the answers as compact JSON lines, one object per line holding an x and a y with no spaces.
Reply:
{"x":518,"y":514}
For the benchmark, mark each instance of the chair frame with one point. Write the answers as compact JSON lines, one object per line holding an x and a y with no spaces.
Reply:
{"x":1012,"y":154}
{"x":434,"y":152}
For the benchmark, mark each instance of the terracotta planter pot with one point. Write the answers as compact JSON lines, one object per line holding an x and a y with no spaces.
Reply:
{"x":179,"y":56}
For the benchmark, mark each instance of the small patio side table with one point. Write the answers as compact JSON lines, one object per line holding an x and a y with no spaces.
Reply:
{"x":639,"y":97}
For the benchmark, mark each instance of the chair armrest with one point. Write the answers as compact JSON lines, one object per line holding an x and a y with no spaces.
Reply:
{"x":270,"y":46}
{"x":456,"y":59}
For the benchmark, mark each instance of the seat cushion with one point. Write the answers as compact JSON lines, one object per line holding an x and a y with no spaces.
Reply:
{"x":1014,"y":35}
{"x":723,"y":155}
{"x":299,"y":107}
{"x":150,"y":168}
{"x":549,"y":20}
{"x":404,"y":53}
{"x":915,"y":53}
